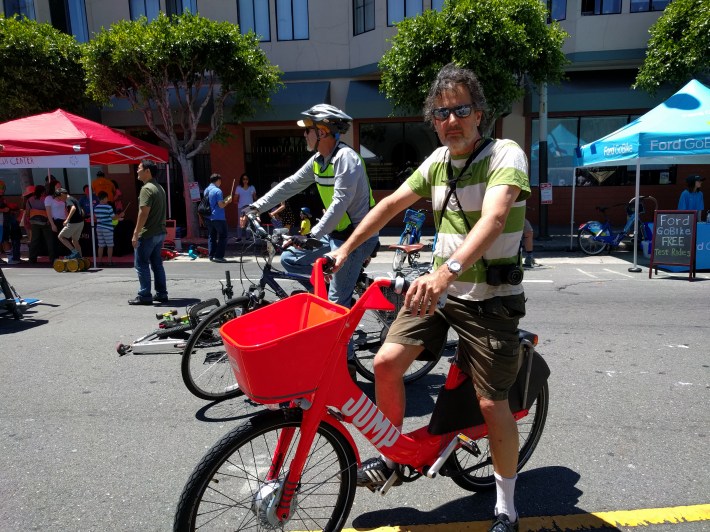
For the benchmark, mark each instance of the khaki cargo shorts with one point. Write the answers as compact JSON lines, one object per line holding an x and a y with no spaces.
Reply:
{"x":489,"y":348}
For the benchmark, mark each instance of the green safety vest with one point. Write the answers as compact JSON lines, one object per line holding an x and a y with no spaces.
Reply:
{"x":325,"y":181}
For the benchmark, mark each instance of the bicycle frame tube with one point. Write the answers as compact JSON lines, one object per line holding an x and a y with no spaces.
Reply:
{"x":269,"y":278}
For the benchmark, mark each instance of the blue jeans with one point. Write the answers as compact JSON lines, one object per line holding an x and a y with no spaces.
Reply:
{"x":217,"y":242}
{"x":343,"y":282}
{"x":300,"y":261}
{"x":147,"y":256}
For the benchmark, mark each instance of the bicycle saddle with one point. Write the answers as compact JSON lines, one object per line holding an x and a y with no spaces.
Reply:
{"x":407,"y":248}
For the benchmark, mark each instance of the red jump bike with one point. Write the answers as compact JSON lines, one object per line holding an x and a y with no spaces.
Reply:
{"x":294,"y":467}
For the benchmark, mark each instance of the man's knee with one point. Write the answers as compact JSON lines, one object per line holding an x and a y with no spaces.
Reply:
{"x":392,"y":360}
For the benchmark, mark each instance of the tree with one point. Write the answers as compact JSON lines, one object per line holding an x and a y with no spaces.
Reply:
{"x":679,"y":47}
{"x":502,"y":41}
{"x":40,"y":70}
{"x":181,"y":71}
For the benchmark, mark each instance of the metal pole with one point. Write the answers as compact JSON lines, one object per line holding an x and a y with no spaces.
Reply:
{"x":635,"y":268}
{"x":542,"y":161}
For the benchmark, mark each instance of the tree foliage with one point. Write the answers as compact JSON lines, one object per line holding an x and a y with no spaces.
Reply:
{"x":679,"y":47}
{"x":40,"y":69}
{"x":181,"y":72}
{"x":502,"y":41}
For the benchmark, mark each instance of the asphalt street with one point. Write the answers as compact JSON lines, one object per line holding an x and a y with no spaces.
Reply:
{"x":93,"y":441}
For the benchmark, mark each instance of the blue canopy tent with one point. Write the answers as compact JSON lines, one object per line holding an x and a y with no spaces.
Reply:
{"x":675,"y":132}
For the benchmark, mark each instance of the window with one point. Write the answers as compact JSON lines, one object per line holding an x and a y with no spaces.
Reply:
{"x":600,"y":7}
{"x":437,"y":5}
{"x":69,"y":16}
{"x":178,"y":7}
{"x":25,"y":8}
{"x":392,"y":150}
{"x":564,"y":135}
{"x":398,"y":10}
{"x":292,"y":20}
{"x":253,"y":15}
{"x":144,"y":8}
{"x":363,"y":16}
{"x":638,"y":6}
{"x":558,"y":9}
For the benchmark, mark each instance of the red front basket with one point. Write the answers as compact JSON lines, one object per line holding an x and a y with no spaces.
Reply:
{"x":279,"y":351}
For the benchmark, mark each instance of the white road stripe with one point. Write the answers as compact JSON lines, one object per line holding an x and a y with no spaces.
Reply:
{"x":587,"y":273}
{"x":619,"y":273}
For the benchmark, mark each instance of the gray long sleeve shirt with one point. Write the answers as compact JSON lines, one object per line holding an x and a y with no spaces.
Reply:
{"x":351,"y":193}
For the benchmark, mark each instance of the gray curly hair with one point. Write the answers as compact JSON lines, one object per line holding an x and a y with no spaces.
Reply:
{"x":447,"y":78}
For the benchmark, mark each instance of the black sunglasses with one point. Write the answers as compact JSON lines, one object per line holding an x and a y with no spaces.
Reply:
{"x":461,"y":111}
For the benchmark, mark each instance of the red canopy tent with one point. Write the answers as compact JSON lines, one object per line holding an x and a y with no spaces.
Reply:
{"x":63,"y":140}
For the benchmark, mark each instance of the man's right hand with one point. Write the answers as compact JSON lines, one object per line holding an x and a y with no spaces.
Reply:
{"x":339,"y":257}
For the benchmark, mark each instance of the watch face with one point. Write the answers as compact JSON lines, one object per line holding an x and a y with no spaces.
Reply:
{"x":454,"y":266}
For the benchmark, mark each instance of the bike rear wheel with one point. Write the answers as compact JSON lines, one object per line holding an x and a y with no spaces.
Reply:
{"x":588,"y":243}
{"x":205,"y":367}
{"x":475,"y":473}
{"x":229,"y":488}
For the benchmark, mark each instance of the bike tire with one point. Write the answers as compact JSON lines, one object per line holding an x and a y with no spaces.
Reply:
{"x":400,"y":255}
{"x":588,"y":244}
{"x":205,"y":366}
{"x":475,"y":473}
{"x":230,"y":481}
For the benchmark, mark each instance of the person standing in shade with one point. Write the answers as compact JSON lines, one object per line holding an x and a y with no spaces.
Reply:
{"x":246,"y":194}
{"x":105,"y":215}
{"x":478,"y":187}
{"x":149,"y":235}
{"x":72,"y":225}
{"x":217,"y":221}
{"x":691,"y":199}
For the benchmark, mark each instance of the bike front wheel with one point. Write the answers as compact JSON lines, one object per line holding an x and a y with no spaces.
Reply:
{"x":475,"y":473}
{"x":588,"y":243}
{"x":205,"y":366}
{"x":234,"y":487}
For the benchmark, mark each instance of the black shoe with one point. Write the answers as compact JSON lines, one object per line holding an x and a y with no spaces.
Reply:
{"x":217,"y":259}
{"x":139,"y":301}
{"x":374,"y":473}
{"x":157,"y":299}
{"x":502,"y":524}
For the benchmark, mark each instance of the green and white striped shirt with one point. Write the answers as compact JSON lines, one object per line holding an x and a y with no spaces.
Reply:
{"x":502,"y":162}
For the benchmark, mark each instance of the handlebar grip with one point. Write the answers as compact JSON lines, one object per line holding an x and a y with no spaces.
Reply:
{"x":228,"y":277}
{"x":328,"y":263}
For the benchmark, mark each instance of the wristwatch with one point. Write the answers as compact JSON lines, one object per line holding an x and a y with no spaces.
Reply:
{"x":454,"y":266}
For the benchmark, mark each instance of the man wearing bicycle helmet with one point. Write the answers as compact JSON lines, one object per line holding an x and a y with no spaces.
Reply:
{"x":478,"y":187}
{"x":339,"y":173}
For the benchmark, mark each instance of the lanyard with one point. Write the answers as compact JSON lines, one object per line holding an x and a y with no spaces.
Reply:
{"x":453,"y":180}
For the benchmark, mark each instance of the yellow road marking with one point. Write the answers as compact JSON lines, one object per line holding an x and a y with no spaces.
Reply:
{"x":625,"y":518}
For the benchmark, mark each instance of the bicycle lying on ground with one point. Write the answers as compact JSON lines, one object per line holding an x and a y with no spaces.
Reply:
{"x":294,"y":468}
{"x":594,"y":237}
{"x":205,"y":369}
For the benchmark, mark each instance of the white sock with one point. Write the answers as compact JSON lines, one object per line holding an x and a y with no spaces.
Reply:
{"x":505,"y":497}
{"x":387,"y":461}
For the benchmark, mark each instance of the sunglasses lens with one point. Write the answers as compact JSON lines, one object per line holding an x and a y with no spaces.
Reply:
{"x":462,"y":111}
{"x":442,"y":113}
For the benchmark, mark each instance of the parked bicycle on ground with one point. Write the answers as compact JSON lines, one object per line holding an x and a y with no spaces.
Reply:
{"x":205,"y":369}
{"x":294,"y":468}
{"x":594,"y":237}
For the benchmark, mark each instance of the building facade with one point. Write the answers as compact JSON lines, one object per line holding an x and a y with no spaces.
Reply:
{"x":329,"y":52}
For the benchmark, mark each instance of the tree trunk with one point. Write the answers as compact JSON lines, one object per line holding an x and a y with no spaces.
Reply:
{"x":188,"y":176}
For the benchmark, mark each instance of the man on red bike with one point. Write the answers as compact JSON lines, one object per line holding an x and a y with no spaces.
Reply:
{"x":478,"y":188}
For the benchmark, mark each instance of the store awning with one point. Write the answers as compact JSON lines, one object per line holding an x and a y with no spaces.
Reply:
{"x":292,"y":100}
{"x":366,"y":101}
{"x":596,"y":91}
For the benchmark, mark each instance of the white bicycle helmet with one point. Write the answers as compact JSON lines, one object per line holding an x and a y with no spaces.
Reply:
{"x":326,"y":115}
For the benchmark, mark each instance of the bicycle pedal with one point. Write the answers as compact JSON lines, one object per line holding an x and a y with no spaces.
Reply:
{"x":469,"y":444}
